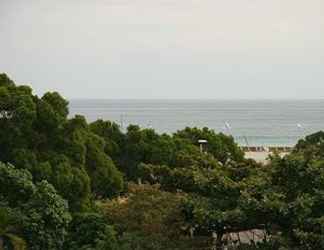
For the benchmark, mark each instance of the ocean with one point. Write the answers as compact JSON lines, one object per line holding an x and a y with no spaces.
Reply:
{"x":250,"y":122}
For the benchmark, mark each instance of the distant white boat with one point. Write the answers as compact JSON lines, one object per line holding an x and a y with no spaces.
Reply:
{"x":299,"y":125}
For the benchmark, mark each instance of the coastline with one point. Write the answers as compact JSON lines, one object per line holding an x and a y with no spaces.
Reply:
{"x":261,"y":154}
{"x":261,"y":157}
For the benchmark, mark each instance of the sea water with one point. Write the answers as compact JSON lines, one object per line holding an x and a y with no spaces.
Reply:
{"x":250,"y":122}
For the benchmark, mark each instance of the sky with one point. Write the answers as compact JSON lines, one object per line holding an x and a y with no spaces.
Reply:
{"x":165,"y":49}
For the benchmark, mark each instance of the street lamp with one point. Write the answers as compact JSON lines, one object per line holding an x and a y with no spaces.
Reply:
{"x":201,"y":143}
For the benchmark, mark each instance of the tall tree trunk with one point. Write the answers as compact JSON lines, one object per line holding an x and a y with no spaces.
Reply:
{"x":1,"y":243}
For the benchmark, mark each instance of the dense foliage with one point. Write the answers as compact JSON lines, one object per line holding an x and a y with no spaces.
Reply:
{"x":36,"y":135}
{"x":37,"y":213}
{"x":66,"y":184}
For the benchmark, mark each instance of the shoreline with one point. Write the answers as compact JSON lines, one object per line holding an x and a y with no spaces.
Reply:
{"x":261,"y":154}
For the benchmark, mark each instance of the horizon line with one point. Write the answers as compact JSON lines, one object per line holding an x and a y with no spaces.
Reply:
{"x":196,"y":99}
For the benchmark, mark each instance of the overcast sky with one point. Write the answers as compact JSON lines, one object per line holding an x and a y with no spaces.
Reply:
{"x":165,"y":48}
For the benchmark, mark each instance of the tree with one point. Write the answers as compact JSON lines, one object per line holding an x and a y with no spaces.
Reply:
{"x":114,"y":138}
{"x":147,"y":218}
{"x":107,"y":180}
{"x":312,"y":146}
{"x":9,"y":235}
{"x":221,"y":146}
{"x":36,"y":134}
{"x":90,"y":231}
{"x":43,"y":214}
{"x":299,"y":181}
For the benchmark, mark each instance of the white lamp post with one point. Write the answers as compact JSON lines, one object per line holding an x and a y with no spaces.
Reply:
{"x":201,"y":143}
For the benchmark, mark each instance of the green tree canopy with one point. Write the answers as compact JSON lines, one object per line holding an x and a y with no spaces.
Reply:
{"x":36,"y":134}
{"x":41,"y":216}
{"x":90,"y":231}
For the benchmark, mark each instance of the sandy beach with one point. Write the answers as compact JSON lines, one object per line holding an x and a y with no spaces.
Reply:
{"x":261,"y":157}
